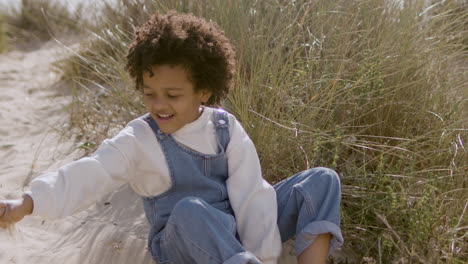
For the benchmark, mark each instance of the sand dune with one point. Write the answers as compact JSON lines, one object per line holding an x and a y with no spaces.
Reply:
{"x":31,"y":114}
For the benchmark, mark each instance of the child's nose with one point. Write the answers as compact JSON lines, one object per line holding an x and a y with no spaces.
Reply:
{"x":158,"y":104}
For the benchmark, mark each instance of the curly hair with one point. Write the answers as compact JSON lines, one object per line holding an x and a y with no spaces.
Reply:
{"x":183,"y":39}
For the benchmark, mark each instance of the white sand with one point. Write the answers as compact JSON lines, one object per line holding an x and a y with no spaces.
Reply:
{"x":31,"y":112}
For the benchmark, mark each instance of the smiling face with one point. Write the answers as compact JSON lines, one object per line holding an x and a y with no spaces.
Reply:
{"x":170,"y":97}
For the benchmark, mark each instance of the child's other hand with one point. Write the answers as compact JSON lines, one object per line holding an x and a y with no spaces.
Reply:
{"x":12,"y":211}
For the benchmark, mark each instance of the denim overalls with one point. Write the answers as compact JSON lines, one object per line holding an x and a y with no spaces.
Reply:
{"x":193,"y":221}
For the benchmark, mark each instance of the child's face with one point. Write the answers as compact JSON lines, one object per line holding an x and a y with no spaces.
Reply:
{"x":170,"y":97}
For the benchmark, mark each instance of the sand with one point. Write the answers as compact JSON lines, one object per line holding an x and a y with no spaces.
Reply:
{"x":32,"y":113}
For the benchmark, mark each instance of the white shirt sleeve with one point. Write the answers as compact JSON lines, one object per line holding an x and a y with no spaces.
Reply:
{"x":252,"y":198}
{"x":79,"y":184}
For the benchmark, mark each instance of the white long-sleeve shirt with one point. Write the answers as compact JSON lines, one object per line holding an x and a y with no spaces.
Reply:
{"x":134,"y":156}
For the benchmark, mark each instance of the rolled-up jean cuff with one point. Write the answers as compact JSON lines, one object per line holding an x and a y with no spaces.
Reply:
{"x":308,"y":235}
{"x":243,"y":258}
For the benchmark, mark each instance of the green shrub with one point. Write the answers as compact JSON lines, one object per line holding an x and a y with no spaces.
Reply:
{"x":371,"y":89}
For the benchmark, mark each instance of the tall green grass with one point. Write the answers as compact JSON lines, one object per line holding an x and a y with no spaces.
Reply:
{"x":371,"y":89}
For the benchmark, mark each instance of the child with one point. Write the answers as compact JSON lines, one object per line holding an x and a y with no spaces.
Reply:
{"x":195,"y":167}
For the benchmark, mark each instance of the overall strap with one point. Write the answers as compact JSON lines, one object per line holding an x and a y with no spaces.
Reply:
{"x":221,"y":122}
{"x":154,"y":126}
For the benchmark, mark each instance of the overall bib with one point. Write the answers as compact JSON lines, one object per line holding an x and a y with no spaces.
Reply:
{"x":193,"y":221}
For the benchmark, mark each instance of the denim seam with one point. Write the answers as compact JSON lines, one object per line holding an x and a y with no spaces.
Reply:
{"x":234,"y":225}
{"x":221,"y":189}
{"x":163,"y":242}
{"x":205,"y":167}
{"x":192,"y":242}
{"x":309,"y":202}
{"x":281,"y":205}
{"x":222,"y":139}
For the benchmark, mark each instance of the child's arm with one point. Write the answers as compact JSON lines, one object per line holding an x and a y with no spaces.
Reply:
{"x":12,"y":211}
{"x":79,"y":184}
{"x":252,"y":198}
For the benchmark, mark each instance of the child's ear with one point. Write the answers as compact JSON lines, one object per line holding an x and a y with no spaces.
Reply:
{"x":205,"y":95}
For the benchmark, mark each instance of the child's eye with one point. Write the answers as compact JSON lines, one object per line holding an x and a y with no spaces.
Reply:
{"x":148,"y":95}
{"x":172,"y":96}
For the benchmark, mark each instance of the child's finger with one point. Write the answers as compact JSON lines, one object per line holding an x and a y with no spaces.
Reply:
{"x":5,"y":214}
{"x":4,"y":224}
{"x":2,"y":209}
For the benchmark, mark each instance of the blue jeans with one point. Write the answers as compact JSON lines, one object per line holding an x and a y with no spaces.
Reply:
{"x":308,"y":205}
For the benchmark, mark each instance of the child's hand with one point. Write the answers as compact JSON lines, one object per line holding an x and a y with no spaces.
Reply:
{"x":12,"y":211}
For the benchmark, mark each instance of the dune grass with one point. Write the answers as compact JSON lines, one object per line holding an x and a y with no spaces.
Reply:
{"x":37,"y":21}
{"x":3,"y":35}
{"x":371,"y":89}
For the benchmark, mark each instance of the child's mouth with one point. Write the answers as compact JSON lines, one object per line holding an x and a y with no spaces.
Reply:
{"x":164,"y":117}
